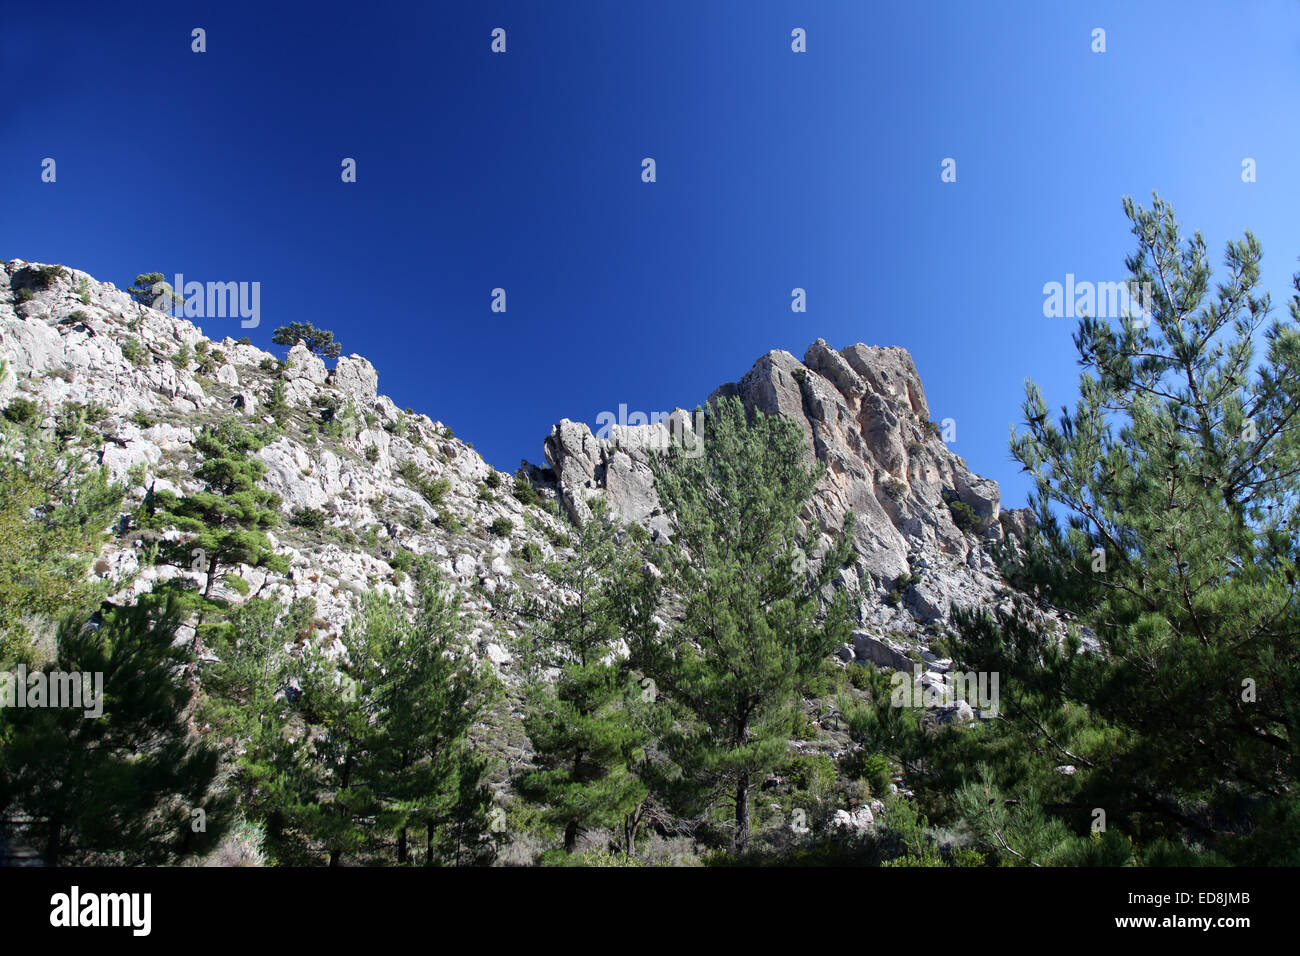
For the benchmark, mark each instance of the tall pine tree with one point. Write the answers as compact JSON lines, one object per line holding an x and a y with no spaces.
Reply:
{"x":751,"y":623}
{"x":582,"y":720}
{"x":1178,"y":476}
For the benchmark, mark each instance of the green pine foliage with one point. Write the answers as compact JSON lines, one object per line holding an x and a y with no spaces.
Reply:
{"x":132,"y":785}
{"x":753,"y":628}
{"x":1177,"y":475}
{"x":363,"y":759}
{"x":55,"y":513}
{"x":225,"y":523}
{"x":319,"y":341}
{"x":587,"y":725}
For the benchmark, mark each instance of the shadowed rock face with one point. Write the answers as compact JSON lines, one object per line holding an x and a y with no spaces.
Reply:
{"x":864,"y":415}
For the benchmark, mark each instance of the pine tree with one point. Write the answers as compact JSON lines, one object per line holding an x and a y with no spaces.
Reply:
{"x":385,"y":735}
{"x":583,"y":724}
{"x":319,"y":341}
{"x":754,"y":625}
{"x":55,"y":513}
{"x":249,"y":709}
{"x":225,"y":523}
{"x":1178,"y":474}
{"x":427,"y":692}
{"x":151,"y":289}
{"x":131,"y":785}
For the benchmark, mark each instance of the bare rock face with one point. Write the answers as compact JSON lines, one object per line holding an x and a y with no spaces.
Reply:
{"x":614,"y":467}
{"x":864,"y":415}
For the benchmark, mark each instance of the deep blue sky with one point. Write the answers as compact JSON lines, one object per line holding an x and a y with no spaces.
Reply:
{"x":775,"y":170}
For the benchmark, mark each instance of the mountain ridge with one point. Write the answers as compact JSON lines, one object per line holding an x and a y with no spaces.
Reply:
{"x":926,"y":538}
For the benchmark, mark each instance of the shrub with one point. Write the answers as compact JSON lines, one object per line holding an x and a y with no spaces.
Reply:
{"x":449,"y":522}
{"x":43,"y":276}
{"x":432,"y":491}
{"x":493,"y":479}
{"x":142,"y":418}
{"x":182,"y":357}
{"x":402,"y":560}
{"x":311,"y":519}
{"x":83,"y":292}
{"x":531,"y":551}
{"x":876,"y":775}
{"x":134,"y":352}
{"x":894,"y":487}
{"x":524,"y":491}
{"x":269,"y":364}
{"x":963,"y":515}
{"x":372,"y":453}
{"x":21,"y":411}
{"x":502,"y":527}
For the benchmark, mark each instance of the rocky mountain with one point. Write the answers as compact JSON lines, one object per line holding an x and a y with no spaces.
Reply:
{"x":362,"y":482}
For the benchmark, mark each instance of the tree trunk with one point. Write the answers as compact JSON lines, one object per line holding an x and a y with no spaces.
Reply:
{"x":570,"y":836}
{"x":742,"y":813}
{"x":212,"y":576}
{"x":629,"y":834}
{"x":401,"y":845}
{"x":53,"y":843}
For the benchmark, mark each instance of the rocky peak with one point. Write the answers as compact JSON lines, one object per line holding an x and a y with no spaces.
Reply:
{"x":925,"y":524}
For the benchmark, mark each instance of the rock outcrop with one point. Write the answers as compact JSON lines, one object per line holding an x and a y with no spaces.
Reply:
{"x":926,"y":525}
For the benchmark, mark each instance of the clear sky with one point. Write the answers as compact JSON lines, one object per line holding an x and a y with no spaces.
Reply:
{"x":523,"y":171}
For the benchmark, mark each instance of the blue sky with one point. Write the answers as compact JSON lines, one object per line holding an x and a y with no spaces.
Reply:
{"x":775,"y":170}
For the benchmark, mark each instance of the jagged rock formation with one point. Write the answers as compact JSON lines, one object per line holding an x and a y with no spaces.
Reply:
{"x":864,"y":413}
{"x":156,"y":379}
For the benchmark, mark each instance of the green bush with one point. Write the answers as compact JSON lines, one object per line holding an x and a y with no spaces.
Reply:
{"x":531,"y":552}
{"x":525,"y":492}
{"x":402,"y":560}
{"x":372,"y":453}
{"x":963,"y":515}
{"x":311,"y":519}
{"x":134,"y":352}
{"x":43,"y":276}
{"x":876,"y":774}
{"x":432,"y":491}
{"x":142,"y":418}
{"x":493,"y":479}
{"x":21,"y":411}
{"x":24,"y":295}
{"x":894,"y":487}
{"x":502,"y":527}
